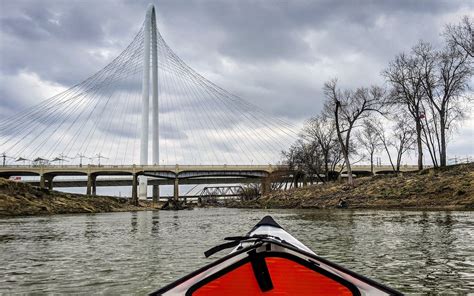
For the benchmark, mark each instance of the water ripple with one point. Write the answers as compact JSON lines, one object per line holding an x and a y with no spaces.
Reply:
{"x":418,"y":253}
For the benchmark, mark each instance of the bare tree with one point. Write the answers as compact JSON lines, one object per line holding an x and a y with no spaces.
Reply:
{"x":346,"y":108}
{"x":387,"y":142}
{"x":461,"y":35}
{"x":445,"y":75}
{"x":431,"y":133}
{"x":336,"y":157}
{"x":403,"y":74}
{"x":313,"y":159}
{"x":294,"y":160}
{"x":322,"y":132}
{"x":369,"y":139}
{"x":402,"y":139}
{"x":304,"y":158}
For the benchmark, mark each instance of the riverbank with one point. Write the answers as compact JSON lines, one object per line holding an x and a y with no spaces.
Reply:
{"x":450,"y":188}
{"x":18,"y":199}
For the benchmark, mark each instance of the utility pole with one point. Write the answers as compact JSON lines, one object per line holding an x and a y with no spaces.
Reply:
{"x":99,"y":157}
{"x":62,"y":158}
{"x":4,"y":158}
{"x":81,"y":156}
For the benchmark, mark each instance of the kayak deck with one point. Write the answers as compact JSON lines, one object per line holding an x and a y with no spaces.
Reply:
{"x":287,"y":275}
{"x":269,"y":261}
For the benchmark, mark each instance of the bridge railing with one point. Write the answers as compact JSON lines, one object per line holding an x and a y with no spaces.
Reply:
{"x":145,"y":167}
{"x":177,"y":167}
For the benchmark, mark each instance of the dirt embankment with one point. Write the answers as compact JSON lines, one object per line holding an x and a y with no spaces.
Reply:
{"x":447,"y":188}
{"x":18,"y":199}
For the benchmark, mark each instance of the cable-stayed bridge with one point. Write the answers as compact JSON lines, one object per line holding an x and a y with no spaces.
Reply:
{"x":144,"y":112}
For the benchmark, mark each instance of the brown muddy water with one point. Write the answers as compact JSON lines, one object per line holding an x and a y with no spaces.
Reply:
{"x":418,"y":253}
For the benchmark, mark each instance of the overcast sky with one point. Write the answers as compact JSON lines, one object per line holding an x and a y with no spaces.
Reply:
{"x":276,"y":54}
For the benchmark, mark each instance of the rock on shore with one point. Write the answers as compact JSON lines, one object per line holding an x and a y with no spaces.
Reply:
{"x":18,"y":199}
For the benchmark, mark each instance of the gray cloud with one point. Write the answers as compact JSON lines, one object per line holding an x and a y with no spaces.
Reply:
{"x":275,"y":54}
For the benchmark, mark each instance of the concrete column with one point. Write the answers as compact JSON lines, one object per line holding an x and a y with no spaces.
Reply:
{"x":42,"y":181}
{"x":143,"y":187}
{"x":266,"y":185}
{"x":50,"y":183}
{"x":134,"y":189}
{"x":305,"y":181}
{"x":156,"y":193}
{"x":89,"y":184}
{"x":176,"y":190}
{"x":94,"y":185}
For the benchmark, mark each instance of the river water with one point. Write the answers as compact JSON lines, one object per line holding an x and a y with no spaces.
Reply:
{"x":418,"y":253}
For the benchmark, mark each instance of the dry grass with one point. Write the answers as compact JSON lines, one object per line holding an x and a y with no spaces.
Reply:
{"x":22,"y":199}
{"x":447,"y":188}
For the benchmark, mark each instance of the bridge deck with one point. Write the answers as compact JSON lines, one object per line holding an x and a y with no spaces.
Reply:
{"x":167,"y":174}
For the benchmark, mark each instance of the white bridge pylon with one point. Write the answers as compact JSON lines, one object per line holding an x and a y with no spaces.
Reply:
{"x":150,"y":44}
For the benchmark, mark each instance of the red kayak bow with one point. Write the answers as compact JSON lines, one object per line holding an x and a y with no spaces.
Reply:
{"x":269,"y":261}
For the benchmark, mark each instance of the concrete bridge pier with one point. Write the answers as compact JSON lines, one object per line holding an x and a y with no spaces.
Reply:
{"x":134,"y":189}
{"x":94,"y":186}
{"x":176,"y":190}
{"x":295,"y":180}
{"x":91,"y":184}
{"x":305,"y":181}
{"x":50,"y":182}
{"x":143,"y":187}
{"x":42,"y":181}
{"x":156,"y":193}
{"x":266,"y":185}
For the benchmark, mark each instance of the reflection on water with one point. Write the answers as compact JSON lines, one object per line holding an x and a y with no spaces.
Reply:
{"x":418,"y":253}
